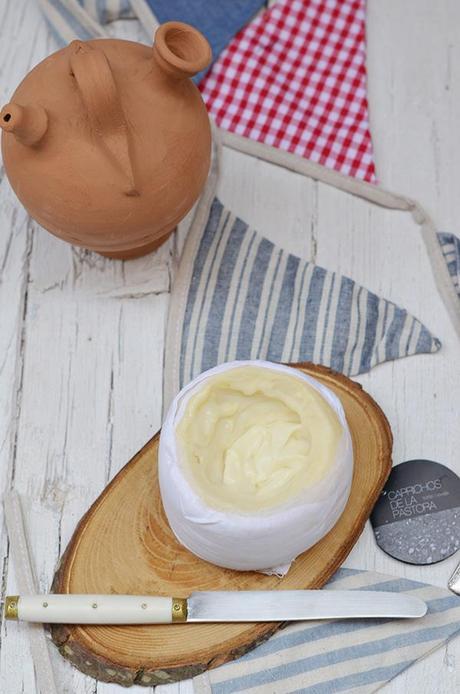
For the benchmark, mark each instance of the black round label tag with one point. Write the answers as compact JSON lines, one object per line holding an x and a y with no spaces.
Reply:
{"x":417,"y":516}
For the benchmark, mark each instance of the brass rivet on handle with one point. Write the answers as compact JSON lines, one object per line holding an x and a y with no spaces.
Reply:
{"x":11,"y":606}
{"x":179,"y":610}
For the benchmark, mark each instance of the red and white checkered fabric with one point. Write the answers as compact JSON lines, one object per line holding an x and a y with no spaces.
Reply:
{"x":295,"y":78}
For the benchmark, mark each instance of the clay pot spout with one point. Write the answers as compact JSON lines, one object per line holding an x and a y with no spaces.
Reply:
{"x":27,"y":123}
{"x":180,"y":50}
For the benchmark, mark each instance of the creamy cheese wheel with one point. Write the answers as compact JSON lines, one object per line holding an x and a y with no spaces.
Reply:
{"x":255,"y":465}
{"x":251,"y":438}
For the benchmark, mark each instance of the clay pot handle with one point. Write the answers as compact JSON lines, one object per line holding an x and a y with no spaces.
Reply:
{"x":27,"y":123}
{"x":181,"y":50}
{"x":99,"y":94}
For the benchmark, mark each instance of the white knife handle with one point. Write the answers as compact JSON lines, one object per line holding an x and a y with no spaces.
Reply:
{"x":96,"y":609}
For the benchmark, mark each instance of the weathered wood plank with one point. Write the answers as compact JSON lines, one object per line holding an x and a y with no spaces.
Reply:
{"x":277,"y":203}
{"x":414,"y":66}
{"x":28,"y":42}
{"x":412,"y":51}
{"x":85,"y":333}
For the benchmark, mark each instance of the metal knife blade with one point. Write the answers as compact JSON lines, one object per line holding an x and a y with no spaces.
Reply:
{"x":293,"y":605}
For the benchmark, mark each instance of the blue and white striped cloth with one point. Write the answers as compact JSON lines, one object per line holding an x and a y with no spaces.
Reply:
{"x":249,"y":299}
{"x":82,"y":19}
{"x":450,"y":246}
{"x":341,"y":656}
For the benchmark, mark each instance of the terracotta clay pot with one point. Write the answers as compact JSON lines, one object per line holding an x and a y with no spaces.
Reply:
{"x":107,"y":143}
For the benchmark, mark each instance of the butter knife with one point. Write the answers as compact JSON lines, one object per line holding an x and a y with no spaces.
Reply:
{"x":213,"y":606}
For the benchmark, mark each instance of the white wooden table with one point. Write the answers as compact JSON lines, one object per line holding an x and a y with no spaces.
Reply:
{"x":81,"y":338}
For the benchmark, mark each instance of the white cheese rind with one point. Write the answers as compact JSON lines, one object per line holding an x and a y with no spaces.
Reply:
{"x":272,"y":539}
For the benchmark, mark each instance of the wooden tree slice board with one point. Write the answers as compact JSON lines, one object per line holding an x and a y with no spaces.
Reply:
{"x":124,"y":545}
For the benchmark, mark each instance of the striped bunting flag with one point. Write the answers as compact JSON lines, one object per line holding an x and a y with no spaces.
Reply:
{"x":77,"y":13}
{"x":249,"y":299}
{"x":341,"y":656}
{"x":104,"y":11}
{"x":450,"y":246}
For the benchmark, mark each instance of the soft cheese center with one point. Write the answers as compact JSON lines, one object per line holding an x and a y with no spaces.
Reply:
{"x":251,"y":438}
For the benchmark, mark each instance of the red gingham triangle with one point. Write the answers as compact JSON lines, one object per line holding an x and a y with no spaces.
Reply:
{"x":295,"y":78}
